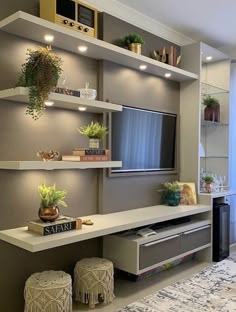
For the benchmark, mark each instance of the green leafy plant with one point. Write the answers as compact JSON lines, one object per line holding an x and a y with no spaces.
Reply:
{"x":132,"y":38}
{"x":40,"y":74}
{"x":208,"y":179}
{"x":172,"y":186}
{"x":210,"y":101}
{"x":50,"y":196}
{"x":95,"y":130}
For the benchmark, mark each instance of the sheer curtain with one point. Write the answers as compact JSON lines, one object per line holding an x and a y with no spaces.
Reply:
{"x":232,"y":152}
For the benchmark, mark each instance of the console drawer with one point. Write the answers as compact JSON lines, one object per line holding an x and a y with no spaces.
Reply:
{"x":158,"y":251}
{"x":195,"y":238}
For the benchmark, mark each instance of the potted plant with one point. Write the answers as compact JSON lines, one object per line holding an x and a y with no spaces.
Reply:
{"x":208,"y":180}
{"x":133,"y":42}
{"x":173,"y":193}
{"x":40,"y":74}
{"x":50,"y":198}
{"x":212,"y":108}
{"x":95,"y":132}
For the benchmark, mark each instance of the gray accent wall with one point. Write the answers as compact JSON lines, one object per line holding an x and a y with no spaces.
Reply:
{"x":20,"y":139}
{"x":89,"y":191}
{"x":112,"y":29}
{"x":134,"y":88}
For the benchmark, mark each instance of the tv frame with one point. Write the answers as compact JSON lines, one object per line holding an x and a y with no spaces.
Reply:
{"x":171,"y":171}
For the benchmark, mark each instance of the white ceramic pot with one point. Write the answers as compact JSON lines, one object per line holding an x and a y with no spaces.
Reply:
{"x":93,"y":143}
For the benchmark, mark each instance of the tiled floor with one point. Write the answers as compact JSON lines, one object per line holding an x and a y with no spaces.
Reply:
{"x":127,"y":291}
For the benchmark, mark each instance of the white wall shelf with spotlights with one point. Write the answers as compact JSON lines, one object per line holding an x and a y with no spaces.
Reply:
{"x":57,"y":165}
{"x":34,"y":28}
{"x":21,"y":94}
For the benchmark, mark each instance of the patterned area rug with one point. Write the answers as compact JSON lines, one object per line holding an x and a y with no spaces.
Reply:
{"x":213,"y":289}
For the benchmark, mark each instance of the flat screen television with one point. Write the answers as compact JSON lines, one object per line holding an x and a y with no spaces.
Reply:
{"x":143,"y":140}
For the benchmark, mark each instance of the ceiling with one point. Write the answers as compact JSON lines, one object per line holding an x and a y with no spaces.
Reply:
{"x":210,"y":21}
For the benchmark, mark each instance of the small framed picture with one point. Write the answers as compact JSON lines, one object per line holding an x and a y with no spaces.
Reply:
{"x":188,"y":194}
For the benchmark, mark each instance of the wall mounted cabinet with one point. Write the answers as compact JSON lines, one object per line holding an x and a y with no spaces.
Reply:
{"x":204,"y":144}
{"x":214,"y":156}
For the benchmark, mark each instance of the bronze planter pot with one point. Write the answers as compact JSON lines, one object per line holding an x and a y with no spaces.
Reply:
{"x":49,"y":214}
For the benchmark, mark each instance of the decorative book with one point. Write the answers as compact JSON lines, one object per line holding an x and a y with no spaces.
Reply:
{"x":86,"y":158}
{"x":62,"y":224}
{"x":90,"y":152}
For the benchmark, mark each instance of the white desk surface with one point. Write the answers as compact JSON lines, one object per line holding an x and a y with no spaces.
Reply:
{"x":103,"y":225}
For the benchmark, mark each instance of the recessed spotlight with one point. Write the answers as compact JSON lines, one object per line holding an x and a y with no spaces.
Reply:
{"x":49,"y":38}
{"x":82,"y":109}
{"x":168,"y":75}
{"x":143,"y":67}
{"x":82,"y":48}
{"x":209,"y":58}
{"x":49,"y":103}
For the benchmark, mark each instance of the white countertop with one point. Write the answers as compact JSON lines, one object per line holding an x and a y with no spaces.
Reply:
{"x":103,"y":225}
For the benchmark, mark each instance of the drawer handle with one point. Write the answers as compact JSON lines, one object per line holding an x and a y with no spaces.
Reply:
{"x":196,"y":230}
{"x":159,"y":241}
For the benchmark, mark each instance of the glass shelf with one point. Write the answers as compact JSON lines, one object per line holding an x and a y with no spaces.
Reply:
{"x":209,"y":89}
{"x":207,"y":123}
{"x":226,"y":157}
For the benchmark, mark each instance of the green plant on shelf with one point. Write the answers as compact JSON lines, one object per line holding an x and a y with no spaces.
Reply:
{"x":50,"y":196}
{"x":40,"y":74}
{"x":94,"y":130}
{"x":210,"y":101}
{"x":208,"y":179}
{"x":172,"y":186}
{"x":132,"y":38}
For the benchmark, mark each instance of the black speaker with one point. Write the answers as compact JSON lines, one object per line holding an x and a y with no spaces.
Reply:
{"x":221,"y":231}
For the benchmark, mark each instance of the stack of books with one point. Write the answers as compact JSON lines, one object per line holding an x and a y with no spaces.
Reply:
{"x":62,"y":224}
{"x":95,"y":154}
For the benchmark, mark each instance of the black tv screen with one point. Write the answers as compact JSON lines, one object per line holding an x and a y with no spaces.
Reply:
{"x":143,"y":140}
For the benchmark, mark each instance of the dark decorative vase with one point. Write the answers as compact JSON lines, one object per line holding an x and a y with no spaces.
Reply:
{"x":172,"y":198}
{"x":212,"y":113}
{"x":49,"y":214}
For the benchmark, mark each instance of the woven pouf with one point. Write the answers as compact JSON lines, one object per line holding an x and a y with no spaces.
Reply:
{"x":49,"y":291}
{"x":93,"y":280}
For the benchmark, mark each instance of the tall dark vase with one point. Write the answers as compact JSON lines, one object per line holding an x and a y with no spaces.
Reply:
{"x":212,"y":113}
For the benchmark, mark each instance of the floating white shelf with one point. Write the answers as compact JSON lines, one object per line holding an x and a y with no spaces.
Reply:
{"x":219,"y":194}
{"x":103,"y":225}
{"x":57,"y":165}
{"x":34,"y":28}
{"x":21,"y":94}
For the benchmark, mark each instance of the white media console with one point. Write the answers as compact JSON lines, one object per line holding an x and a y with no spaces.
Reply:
{"x":135,"y":254}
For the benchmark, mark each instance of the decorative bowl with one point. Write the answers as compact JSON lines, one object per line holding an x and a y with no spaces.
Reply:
{"x":48,"y":155}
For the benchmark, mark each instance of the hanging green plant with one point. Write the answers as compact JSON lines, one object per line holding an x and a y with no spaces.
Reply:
{"x":40,"y":74}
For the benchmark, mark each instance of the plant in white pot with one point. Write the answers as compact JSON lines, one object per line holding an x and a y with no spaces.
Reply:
{"x":95,"y":132}
{"x":208,"y":183}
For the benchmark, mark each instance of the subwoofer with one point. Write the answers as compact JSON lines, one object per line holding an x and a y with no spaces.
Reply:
{"x":72,"y":14}
{"x":221,"y":223}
